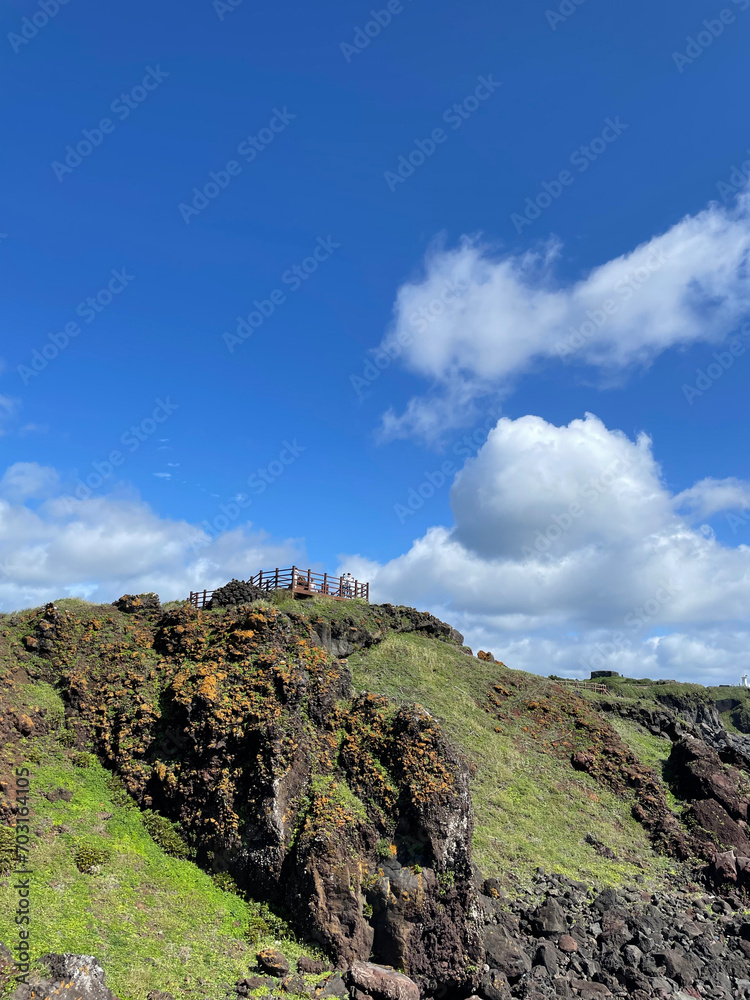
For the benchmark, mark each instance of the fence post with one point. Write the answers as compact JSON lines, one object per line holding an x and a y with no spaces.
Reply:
{"x":276,"y":579}
{"x":294,"y":580}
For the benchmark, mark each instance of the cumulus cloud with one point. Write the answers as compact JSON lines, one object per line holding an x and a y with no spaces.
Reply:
{"x":711,"y":496}
{"x":685,"y":285}
{"x":568,"y":549}
{"x":103,"y":547}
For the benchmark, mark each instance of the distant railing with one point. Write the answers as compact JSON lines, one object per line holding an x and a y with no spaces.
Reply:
{"x":297,"y":581}
{"x":586,"y":685}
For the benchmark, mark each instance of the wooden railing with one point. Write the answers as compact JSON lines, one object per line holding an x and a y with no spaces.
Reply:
{"x":298,"y":581}
{"x":586,"y":685}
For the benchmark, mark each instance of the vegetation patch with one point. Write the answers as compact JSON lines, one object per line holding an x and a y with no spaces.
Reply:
{"x":154,"y":920}
{"x":532,"y":808}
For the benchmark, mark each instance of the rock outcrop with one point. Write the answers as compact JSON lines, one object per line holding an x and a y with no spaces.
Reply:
{"x":351,"y":811}
{"x":71,"y":977}
{"x":558,"y":941}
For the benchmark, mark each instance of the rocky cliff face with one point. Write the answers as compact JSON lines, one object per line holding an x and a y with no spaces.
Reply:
{"x":354,"y":812}
{"x":351,"y":811}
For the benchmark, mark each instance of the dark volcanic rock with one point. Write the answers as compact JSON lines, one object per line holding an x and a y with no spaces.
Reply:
{"x":133,"y":604}
{"x":71,"y":977}
{"x":381,"y":983}
{"x":273,"y":962}
{"x":549,"y":919}
{"x":712,"y":817}
{"x":505,"y":954}
{"x":622,"y":943}
{"x":307,"y":965}
{"x":234,"y":593}
{"x":698,"y":773}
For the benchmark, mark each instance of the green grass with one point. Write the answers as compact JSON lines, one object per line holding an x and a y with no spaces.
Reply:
{"x":531,"y":809}
{"x":153,"y":921}
{"x":319,"y":606}
{"x":652,"y":750}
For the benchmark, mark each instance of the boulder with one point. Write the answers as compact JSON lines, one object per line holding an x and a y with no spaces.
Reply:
{"x":505,"y":954}
{"x":567,"y":944}
{"x":311,"y":966}
{"x":334,"y":987}
{"x":133,"y":604}
{"x":72,"y":977}
{"x":381,"y":982}
{"x":234,"y":593}
{"x":273,"y":962}
{"x":549,"y":919}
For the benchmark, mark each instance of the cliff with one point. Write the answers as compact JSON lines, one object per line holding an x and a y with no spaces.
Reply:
{"x":348,"y":784}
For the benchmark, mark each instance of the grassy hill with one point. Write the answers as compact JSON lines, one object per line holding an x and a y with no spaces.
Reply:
{"x":101,"y":883}
{"x":120,"y":883}
{"x":531,"y":808}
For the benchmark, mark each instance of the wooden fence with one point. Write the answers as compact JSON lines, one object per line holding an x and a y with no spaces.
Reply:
{"x":586,"y":685}
{"x":298,"y":581}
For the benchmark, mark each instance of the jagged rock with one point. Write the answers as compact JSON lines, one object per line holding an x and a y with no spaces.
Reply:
{"x":234,"y":593}
{"x":590,"y":990}
{"x":712,"y":817}
{"x":698,"y":773}
{"x":494,"y":985}
{"x":546,"y":956}
{"x":346,"y":634}
{"x":71,"y":977}
{"x":46,"y":631}
{"x":549,"y":919}
{"x":295,"y":985}
{"x":244,"y":987}
{"x":133,"y":604}
{"x":381,"y":982}
{"x":676,"y":964}
{"x":334,"y":987}
{"x":505,"y":954}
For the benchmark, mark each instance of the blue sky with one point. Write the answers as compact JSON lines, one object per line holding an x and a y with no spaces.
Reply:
{"x":618,"y":124}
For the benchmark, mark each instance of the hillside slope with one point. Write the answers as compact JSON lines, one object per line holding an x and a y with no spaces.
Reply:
{"x":388,"y":794}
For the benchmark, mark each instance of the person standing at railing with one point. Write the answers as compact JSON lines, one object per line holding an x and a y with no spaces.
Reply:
{"x":347,"y":585}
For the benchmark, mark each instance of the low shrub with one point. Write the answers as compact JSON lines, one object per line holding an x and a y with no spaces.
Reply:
{"x":89,"y":858}
{"x":264,"y":924}
{"x":383,"y":848}
{"x":7,"y":849}
{"x":120,"y":795}
{"x":225,"y":882}
{"x":166,"y":835}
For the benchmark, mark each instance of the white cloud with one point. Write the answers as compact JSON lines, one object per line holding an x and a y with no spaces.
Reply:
{"x":25,"y":480}
{"x":529,"y":474}
{"x":711,"y":496}
{"x":568,"y":546}
{"x":109,"y":545}
{"x":688,"y":284}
